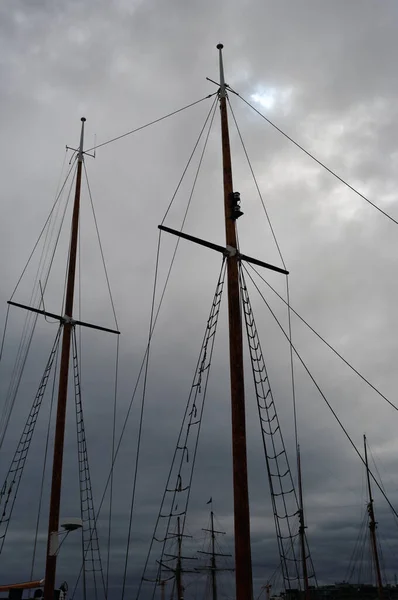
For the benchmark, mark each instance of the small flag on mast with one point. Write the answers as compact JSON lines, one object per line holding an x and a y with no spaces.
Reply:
{"x":210,"y":501}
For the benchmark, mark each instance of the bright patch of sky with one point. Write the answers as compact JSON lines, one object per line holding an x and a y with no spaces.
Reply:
{"x":78,"y":35}
{"x":128,"y":6}
{"x":273,"y":98}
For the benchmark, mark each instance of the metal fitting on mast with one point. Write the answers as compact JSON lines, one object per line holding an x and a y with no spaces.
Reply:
{"x":223,"y":92}
{"x":81,"y":152}
{"x":235,"y":205}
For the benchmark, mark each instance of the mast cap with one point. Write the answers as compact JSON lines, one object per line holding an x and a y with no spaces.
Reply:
{"x":220,"y":46}
{"x":83,"y":119}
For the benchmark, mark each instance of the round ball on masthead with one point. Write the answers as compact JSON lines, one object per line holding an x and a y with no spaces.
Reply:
{"x":83,"y":119}
{"x":220,"y":46}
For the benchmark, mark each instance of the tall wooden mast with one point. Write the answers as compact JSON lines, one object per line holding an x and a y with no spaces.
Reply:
{"x":372,"y":528}
{"x":53,"y":524}
{"x":302,"y":529}
{"x":243,"y":562}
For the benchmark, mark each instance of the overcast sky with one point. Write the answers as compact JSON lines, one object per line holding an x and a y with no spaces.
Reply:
{"x":325,"y":72}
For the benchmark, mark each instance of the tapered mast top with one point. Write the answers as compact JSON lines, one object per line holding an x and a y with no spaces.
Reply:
{"x":222,"y":80}
{"x":80,"y":152}
{"x":367,"y":470}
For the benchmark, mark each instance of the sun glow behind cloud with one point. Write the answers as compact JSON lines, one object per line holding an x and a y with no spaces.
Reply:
{"x":272,"y":97}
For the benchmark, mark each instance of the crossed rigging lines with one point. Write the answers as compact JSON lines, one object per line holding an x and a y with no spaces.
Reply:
{"x":7,"y":409}
{"x":92,"y":566}
{"x":174,"y":503}
{"x":146,"y":356}
{"x":283,"y":133}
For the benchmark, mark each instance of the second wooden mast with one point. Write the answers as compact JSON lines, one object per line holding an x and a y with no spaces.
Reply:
{"x":56,"y":484}
{"x":243,"y":562}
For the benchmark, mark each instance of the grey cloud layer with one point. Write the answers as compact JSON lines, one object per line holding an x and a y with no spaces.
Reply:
{"x":125,"y":63}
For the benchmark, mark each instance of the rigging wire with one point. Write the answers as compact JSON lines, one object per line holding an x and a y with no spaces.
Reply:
{"x":365,"y":550}
{"x":30,"y":321}
{"x":385,"y":542}
{"x":375,"y":465}
{"x":319,"y":162}
{"x":357,"y":547}
{"x":289,"y":321}
{"x":365,"y":554}
{"x":100,"y":246}
{"x":277,"y":571}
{"x":119,"y":137}
{"x":327,"y":343}
{"x":87,"y":512}
{"x":141,"y":418}
{"x":212,"y":109}
{"x":112,"y":461}
{"x":192,"y":416}
{"x":43,"y":229}
{"x":285,"y":504}
{"x":45,"y":460}
{"x":188,"y":204}
{"x":10,"y":487}
{"x":382,"y":561}
{"x":43,"y":258}
{"x":292,"y":378}
{"x":291,"y":357}
{"x":257,"y":186}
{"x":3,"y":337}
{"x":378,"y":473}
{"x":322,"y":394}
{"x":84,"y":503}
{"x":142,"y":364}
{"x":80,"y":289}
{"x":210,"y":117}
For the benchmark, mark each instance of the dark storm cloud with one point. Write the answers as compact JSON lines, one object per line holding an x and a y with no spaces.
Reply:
{"x":331,"y":69}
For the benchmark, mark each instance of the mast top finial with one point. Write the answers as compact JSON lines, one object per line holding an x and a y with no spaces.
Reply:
{"x":222,"y":80}
{"x":80,"y":152}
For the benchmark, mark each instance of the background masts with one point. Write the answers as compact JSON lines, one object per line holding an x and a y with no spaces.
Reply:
{"x":178,"y":572}
{"x":372,"y":528}
{"x":213,"y":563}
{"x":213,"y":559}
{"x":302,"y":528}
{"x":267,"y":587}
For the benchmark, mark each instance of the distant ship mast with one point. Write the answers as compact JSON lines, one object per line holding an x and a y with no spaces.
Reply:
{"x":213,"y":554}
{"x":372,"y":528}
{"x":302,"y":528}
